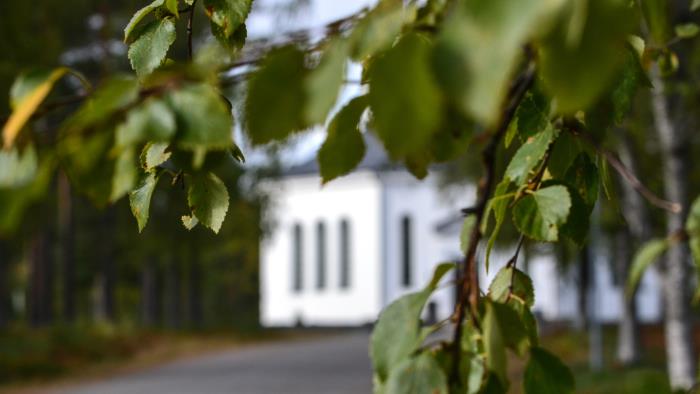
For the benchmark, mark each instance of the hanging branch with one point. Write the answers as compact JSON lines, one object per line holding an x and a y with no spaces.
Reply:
{"x":625,"y":172}
{"x":468,"y":292}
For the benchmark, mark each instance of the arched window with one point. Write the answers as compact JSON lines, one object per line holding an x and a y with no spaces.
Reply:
{"x":320,"y":255}
{"x":297,"y":258}
{"x":344,"y":254}
{"x":406,"y":256}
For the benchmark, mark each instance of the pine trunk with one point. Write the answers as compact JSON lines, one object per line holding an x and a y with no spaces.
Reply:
{"x":173,"y":296}
{"x":39,"y":292}
{"x":194,"y":295}
{"x":149,"y":295}
{"x":5,"y":304}
{"x":108,"y":269}
{"x":66,"y":229}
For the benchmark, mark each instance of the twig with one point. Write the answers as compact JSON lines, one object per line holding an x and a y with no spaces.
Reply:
{"x":53,"y":105}
{"x":488,"y":157}
{"x":621,"y":169}
{"x":512,"y":263}
{"x":190,"y":18}
{"x":262,"y":46}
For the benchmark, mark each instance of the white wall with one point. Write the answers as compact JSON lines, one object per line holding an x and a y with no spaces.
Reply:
{"x":427,"y":206}
{"x":302,"y":200}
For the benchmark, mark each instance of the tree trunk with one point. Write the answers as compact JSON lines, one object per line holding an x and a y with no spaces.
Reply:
{"x":108,"y":269}
{"x":149,"y":295}
{"x":173,"y":296}
{"x":628,"y":326}
{"x":5,"y":303}
{"x":194,"y":294}
{"x":583,"y":287}
{"x":39,"y":292}
{"x":679,"y":343}
{"x":629,"y":239}
{"x":66,"y":234}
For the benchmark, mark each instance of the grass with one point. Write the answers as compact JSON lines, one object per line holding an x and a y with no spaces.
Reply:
{"x":648,"y":376}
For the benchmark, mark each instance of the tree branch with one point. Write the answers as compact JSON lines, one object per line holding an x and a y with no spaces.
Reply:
{"x":628,"y":175}
{"x":190,"y":19}
{"x":469,"y":290}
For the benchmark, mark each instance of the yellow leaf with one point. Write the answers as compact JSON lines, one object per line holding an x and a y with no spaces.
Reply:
{"x":27,"y":106}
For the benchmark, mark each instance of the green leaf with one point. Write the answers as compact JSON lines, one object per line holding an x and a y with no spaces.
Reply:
{"x":687,"y":30}
{"x":140,"y":199}
{"x":151,"y":121}
{"x":138,"y":16}
{"x":539,"y":215}
{"x":18,"y":169}
{"x":529,"y":155}
{"x":27,"y":93}
{"x":453,"y":137}
{"x":29,"y":82}
{"x":397,"y":333}
{"x":577,"y":224}
{"x":479,"y":48}
{"x":405,"y":114}
{"x":694,"y":5}
{"x":532,"y":114}
{"x":379,"y":28}
{"x":125,"y":174}
{"x":692,"y":227}
{"x":584,"y":177}
{"x":344,"y":147}
{"x":203,"y":118}
{"x":89,"y":163}
{"x":580,"y":57}
{"x":645,"y":256}
{"x":417,"y":375}
{"x":189,"y":221}
{"x":15,"y":202}
{"x":154,"y":154}
{"x":522,"y":289}
{"x":115,"y":94}
{"x":477,"y":366}
{"x":513,"y":330}
{"x":494,"y":344}
{"x":466,"y":232}
{"x":546,"y":374}
{"x":612,"y":108}
{"x":208,"y":199}
{"x":566,"y":148}
{"x":231,"y":44}
{"x":277,"y":87}
{"x":417,"y":163}
{"x":323,"y":83}
{"x":172,"y":7}
{"x":229,"y":15}
{"x":499,"y":205}
{"x":149,"y":50}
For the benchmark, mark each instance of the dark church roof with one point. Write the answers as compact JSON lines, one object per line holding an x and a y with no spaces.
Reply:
{"x":375,"y":159}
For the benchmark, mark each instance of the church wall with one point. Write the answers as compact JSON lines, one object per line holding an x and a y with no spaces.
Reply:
{"x":427,"y":207}
{"x":301,"y":200}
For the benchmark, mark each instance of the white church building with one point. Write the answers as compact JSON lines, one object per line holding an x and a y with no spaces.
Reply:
{"x":339,"y":253}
